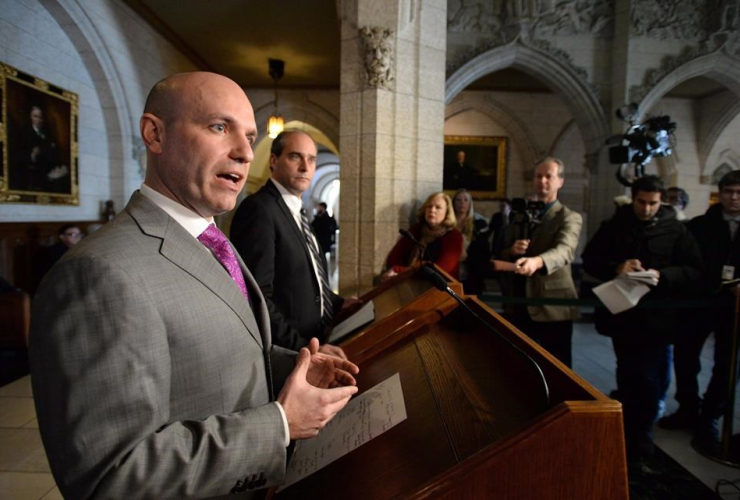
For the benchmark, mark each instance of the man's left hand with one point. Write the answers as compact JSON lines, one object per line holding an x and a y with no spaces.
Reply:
{"x":527,"y":266}
{"x":327,"y":371}
{"x":350,"y":301}
{"x":332,"y":350}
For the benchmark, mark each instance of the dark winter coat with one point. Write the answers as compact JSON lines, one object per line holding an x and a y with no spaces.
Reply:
{"x":664,"y":244}
{"x":712,"y":233}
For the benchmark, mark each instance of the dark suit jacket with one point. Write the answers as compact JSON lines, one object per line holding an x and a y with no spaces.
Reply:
{"x":149,"y":368}
{"x":275,"y":251}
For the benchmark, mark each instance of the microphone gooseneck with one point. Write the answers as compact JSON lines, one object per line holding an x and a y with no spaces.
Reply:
{"x":407,"y":234}
{"x":440,"y":283}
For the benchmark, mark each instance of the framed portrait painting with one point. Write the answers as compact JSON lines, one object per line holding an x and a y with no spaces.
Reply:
{"x":477,"y":164}
{"x":38,"y":141}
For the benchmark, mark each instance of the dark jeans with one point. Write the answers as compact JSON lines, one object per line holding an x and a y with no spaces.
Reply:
{"x":554,"y":336}
{"x":689,"y":343}
{"x":641,"y":375}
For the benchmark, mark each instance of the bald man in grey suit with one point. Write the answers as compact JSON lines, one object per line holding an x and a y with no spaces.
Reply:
{"x":154,"y":375}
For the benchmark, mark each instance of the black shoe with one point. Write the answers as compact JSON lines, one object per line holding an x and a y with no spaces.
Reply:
{"x":640,"y":449}
{"x":707,"y":429}
{"x":682,"y":419}
{"x":706,"y":439}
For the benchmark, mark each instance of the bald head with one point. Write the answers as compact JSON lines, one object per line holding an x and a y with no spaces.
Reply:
{"x":170,"y":95}
{"x":199,"y":130}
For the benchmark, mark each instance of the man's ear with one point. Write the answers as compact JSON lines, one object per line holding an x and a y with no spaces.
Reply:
{"x":152,"y":132}
{"x":273,"y":160}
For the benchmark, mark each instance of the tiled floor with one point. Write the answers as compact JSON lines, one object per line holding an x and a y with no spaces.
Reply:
{"x":24,"y":472}
{"x":594,"y":360}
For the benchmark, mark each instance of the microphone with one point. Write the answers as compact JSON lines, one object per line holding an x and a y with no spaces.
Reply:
{"x":407,"y":234}
{"x":440,"y":283}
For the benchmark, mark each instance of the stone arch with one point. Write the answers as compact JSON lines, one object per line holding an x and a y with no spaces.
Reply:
{"x":577,"y":95}
{"x":498,"y":112}
{"x":719,"y":67}
{"x":718,"y":127}
{"x":77,"y":25}
{"x":304,"y":111}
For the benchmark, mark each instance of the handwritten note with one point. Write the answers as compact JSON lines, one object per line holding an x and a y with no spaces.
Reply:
{"x":365,"y":417}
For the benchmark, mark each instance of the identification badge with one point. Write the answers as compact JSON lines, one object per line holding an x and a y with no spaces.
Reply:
{"x":728,"y":272}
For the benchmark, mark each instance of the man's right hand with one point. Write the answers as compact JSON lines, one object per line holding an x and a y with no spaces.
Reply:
{"x":519,"y":247}
{"x":309,"y":408}
{"x":629,"y":266}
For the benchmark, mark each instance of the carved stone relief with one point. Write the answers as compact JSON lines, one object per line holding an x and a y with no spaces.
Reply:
{"x":716,"y":42}
{"x":684,"y":19}
{"x":377,"y":45}
{"x":665,"y":19}
{"x":714,"y":26}
{"x":565,"y":17}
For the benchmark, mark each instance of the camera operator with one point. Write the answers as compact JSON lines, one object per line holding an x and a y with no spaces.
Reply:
{"x":541,"y":241}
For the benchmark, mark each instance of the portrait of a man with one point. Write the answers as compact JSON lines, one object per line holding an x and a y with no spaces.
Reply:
{"x":477,"y":164}
{"x":40,"y":154}
{"x":38,"y":163}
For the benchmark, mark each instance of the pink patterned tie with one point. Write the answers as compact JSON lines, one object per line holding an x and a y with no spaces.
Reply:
{"x":217,"y":242}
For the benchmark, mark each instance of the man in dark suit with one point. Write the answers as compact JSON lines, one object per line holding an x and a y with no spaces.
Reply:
{"x":154,"y":372}
{"x":459,"y":174}
{"x":271,"y":233}
{"x":325,"y":228}
{"x":37,"y":164}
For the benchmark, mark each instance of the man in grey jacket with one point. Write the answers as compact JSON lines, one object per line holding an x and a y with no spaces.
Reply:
{"x":542,"y":262}
{"x":154,"y":374}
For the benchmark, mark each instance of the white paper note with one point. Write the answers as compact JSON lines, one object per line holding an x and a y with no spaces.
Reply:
{"x":620,"y":294}
{"x":365,"y":417}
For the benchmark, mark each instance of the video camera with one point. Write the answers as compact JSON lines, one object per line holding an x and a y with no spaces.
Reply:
{"x":641,"y":142}
{"x":526,"y":214}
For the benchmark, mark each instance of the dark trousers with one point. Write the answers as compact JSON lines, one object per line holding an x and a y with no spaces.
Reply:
{"x":555,"y":336}
{"x":689,"y":343}
{"x":641,"y":376}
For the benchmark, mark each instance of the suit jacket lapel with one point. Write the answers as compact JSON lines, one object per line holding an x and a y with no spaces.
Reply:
{"x":290,"y":220}
{"x":186,"y":252}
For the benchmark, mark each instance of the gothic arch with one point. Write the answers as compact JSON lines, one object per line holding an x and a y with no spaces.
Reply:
{"x":77,"y":25}
{"x":719,"y":67}
{"x":577,"y":95}
{"x":304,"y":111}
{"x":507,"y":118}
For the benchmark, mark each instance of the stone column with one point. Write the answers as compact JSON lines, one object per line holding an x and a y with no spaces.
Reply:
{"x":391,"y":125}
{"x":603,"y":182}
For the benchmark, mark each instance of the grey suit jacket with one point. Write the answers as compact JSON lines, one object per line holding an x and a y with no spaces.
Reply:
{"x":555,"y":240}
{"x":150,"y":371}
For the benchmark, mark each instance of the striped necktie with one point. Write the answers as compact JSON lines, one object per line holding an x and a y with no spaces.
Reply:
{"x":328,"y":315}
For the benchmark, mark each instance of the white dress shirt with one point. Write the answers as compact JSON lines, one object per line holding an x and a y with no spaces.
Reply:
{"x":295,"y":204}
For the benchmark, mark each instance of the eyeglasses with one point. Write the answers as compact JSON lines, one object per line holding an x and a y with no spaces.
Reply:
{"x":731,"y":192}
{"x":74,"y":234}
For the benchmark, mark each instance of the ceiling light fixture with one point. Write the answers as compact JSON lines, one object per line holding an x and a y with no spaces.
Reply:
{"x":275,"y":123}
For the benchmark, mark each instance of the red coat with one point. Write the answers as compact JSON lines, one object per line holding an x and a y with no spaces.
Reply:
{"x":444,"y":251}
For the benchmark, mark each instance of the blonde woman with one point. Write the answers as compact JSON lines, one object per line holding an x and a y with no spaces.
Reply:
{"x":476,"y":250}
{"x":436,"y":231}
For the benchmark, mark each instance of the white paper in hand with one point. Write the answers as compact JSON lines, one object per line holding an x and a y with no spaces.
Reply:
{"x":649,"y":277}
{"x":619,"y":295}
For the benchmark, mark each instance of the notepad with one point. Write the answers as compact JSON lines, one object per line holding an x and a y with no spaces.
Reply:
{"x":361,"y":318}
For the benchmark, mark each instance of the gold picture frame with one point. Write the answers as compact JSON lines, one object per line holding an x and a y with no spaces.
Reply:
{"x":38,"y":141}
{"x":476,"y":163}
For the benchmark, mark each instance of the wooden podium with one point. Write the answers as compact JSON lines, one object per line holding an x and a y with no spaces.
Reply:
{"x":477,"y":426}
{"x":399,"y":302}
